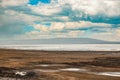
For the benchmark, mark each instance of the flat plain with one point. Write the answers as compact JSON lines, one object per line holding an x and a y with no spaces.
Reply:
{"x":59,"y":65}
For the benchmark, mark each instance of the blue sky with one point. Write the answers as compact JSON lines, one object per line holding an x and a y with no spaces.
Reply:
{"x":38,"y":19}
{"x":35,"y":2}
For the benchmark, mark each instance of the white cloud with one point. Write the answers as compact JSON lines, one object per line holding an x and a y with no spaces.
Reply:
{"x":19,"y":16}
{"x":108,"y":8}
{"x":59,"y":26}
{"x":35,"y":35}
{"x":76,"y":33}
{"x":65,"y":29}
{"x":55,"y":26}
{"x":6,"y":3}
{"x":110,"y":35}
{"x":44,"y":9}
{"x":82,"y":24}
{"x":62,"y":18}
{"x":94,"y":7}
{"x":40,"y":27}
{"x":62,"y":25}
{"x":118,"y":32}
{"x":14,"y":23}
{"x":42,"y":35}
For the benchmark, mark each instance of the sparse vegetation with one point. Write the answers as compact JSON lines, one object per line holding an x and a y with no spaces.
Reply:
{"x":21,"y":60}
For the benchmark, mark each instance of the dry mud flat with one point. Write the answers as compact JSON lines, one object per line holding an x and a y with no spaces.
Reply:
{"x":61,"y":65}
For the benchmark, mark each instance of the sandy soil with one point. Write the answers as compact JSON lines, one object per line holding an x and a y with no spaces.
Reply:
{"x":59,"y":65}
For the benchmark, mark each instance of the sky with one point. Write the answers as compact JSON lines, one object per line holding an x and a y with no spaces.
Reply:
{"x":45,"y":19}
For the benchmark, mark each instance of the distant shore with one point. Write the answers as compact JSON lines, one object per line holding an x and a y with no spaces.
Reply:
{"x":65,"y":47}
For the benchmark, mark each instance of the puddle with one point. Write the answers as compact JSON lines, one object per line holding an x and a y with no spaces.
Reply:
{"x":60,"y":70}
{"x":50,"y":65}
{"x":44,"y":65}
{"x":116,"y":74}
{"x":47,"y":70}
{"x":73,"y":69}
{"x":21,"y":73}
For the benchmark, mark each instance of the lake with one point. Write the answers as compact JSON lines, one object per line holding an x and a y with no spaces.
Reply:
{"x":66,"y":47}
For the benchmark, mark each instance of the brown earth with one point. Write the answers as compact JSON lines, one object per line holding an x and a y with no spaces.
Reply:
{"x":30,"y":60}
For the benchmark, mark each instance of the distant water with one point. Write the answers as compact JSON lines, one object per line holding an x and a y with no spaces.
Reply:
{"x":66,"y":47}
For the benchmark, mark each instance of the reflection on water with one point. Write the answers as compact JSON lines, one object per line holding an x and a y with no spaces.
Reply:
{"x":73,"y":69}
{"x":117,"y":74}
{"x":81,"y":70}
{"x":50,"y":65}
{"x":59,"y":70}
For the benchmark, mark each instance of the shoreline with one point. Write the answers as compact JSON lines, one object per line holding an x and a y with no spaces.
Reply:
{"x":12,"y":49}
{"x":64,"y":47}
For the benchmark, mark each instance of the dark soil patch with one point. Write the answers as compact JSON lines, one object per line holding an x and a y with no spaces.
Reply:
{"x":11,"y":73}
{"x":104,"y":62}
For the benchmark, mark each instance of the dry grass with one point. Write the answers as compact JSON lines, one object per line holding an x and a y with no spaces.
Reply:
{"x":92,"y":60}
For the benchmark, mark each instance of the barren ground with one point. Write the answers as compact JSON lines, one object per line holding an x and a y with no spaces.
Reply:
{"x":51,"y":65}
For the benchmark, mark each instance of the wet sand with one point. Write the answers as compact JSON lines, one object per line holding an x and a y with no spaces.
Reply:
{"x":59,"y":65}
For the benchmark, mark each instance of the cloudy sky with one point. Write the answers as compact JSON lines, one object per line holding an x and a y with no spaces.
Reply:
{"x":39,"y":19}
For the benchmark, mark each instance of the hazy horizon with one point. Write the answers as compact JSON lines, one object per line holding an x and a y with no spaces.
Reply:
{"x":57,"y":41}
